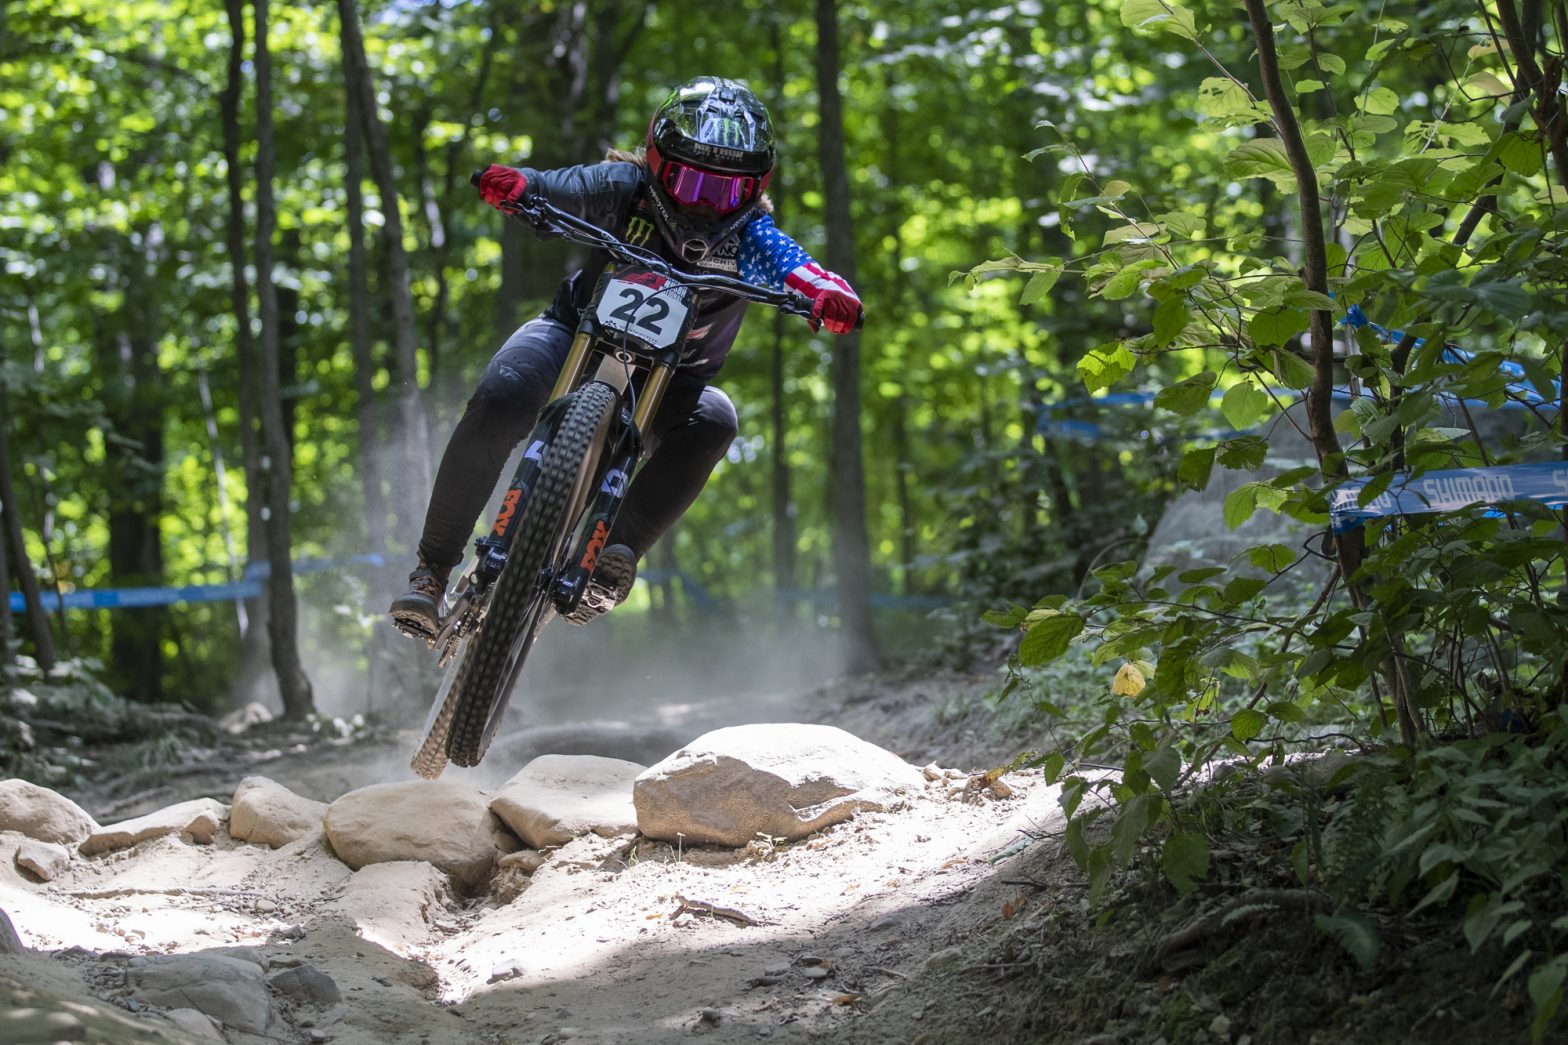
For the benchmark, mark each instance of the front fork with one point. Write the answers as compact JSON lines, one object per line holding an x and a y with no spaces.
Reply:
{"x":569,"y":584}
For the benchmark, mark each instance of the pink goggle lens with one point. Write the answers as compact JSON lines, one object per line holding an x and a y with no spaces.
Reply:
{"x":690,"y":186}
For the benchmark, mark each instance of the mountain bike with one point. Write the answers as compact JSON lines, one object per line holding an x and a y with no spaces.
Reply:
{"x":537,"y":559}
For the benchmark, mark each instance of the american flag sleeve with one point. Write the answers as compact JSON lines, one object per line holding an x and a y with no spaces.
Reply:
{"x":769,"y":258}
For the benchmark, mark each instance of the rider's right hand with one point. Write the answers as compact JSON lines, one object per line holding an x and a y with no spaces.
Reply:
{"x":500,"y":185}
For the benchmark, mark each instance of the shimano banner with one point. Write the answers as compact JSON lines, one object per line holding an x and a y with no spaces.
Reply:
{"x":1448,"y":491}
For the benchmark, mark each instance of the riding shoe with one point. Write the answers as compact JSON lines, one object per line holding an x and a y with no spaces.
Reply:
{"x":613,"y":575}
{"x":417,"y":612}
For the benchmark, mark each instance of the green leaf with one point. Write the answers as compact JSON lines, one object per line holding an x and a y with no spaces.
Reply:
{"x":1159,"y":14}
{"x":1244,"y":404}
{"x":1291,"y":370}
{"x":1163,"y":765}
{"x":1185,"y":858}
{"x":1546,"y":991}
{"x":1040,"y":284}
{"x":1048,"y":639}
{"x":1008,"y":618}
{"x":1246,"y":453}
{"x":1262,"y":158}
{"x":1197,"y":465}
{"x":1519,"y":154}
{"x":1380,"y":101}
{"x":1131,"y":822}
{"x":1331,"y":63}
{"x":1240,"y":504}
{"x":1186,"y":398}
{"x":1220,"y":97}
{"x":1247,"y":723}
{"x":1102,"y":367}
{"x":1170,"y":319}
{"x":1275,"y":326}
{"x":1356,"y":934}
{"x":1271,"y":557}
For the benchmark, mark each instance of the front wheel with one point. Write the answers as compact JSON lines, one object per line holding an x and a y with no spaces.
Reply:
{"x":520,"y":604}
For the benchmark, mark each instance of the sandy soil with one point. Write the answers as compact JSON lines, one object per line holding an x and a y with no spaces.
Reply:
{"x":838,"y":937}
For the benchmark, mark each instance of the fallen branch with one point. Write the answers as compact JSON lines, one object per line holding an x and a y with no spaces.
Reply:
{"x":713,"y":911}
{"x":1248,"y":905}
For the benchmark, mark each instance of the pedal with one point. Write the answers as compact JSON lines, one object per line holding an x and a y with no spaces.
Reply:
{"x":415,"y":628}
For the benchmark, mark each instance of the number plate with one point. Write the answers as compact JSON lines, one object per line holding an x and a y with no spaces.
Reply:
{"x":647,"y":307}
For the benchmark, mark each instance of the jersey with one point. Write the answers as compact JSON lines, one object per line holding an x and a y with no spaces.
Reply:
{"x":614,"y":196}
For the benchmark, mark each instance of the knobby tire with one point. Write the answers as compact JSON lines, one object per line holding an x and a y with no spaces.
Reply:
{"x":430,"y":759}
{"x":520,"y":601}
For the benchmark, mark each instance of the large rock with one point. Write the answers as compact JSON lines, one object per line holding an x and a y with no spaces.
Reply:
{"x":231,"y":991}
{"x":40,"y":813}
{"x":308,"y":985}
{"x":555,"y":798}
{"x":43,"y":859}
{"x":195,"y":821}
{"x":441,"y":822}
{"x":10,"y":940}
{"x":729,"y":786}
{"x":267,"y":813}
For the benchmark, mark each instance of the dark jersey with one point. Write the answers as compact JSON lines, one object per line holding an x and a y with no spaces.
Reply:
{"x":614,"y":196}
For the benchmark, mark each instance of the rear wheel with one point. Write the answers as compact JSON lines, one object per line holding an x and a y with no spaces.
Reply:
{"x":520,"y":604}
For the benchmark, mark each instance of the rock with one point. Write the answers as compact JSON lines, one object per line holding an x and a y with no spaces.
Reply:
{"x":10,"y":942}
{"x":197,"y":1024}
{"x":40,"y":813}
{"x":241,"y":719}
{"x":555,"y":798}
{"x":441,"y":822}
{"x":779,"y":780}
{"x":195,"y":821}
{"x":267,"y":813}
{"x":229,"y":990}
{"x":254,"y":955}
{"x":308,"y":985}
{"x":524,"y":861}
{"x":44,"y":859}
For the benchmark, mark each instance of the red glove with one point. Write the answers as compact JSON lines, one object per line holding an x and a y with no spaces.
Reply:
{"x":833,"y":304}
{"x":498,"y":185}
{"x":836,"y":310}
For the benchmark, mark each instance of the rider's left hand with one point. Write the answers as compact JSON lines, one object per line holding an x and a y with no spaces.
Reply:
{"x":836,"y":310}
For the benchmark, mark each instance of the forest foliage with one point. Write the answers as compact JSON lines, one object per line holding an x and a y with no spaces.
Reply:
{"x":1204,"y":221}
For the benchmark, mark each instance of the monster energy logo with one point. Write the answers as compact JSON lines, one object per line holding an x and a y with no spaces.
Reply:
{"x":638,"y":231}
{"x":729,"y":132}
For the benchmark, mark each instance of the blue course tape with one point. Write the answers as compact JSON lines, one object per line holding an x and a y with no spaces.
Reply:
{"x":250,"y":587}
{"x":1450,"y":490}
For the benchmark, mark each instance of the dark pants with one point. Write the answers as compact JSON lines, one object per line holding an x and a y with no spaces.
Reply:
{"x":693,"y":428}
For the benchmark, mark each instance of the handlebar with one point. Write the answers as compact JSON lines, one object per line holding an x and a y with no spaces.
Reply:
{"x":542,"y":214}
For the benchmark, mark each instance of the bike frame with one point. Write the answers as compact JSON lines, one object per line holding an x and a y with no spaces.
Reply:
{"x":622,"y":358}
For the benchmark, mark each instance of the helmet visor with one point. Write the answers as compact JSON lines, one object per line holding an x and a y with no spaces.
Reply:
{"x":690,"y":186}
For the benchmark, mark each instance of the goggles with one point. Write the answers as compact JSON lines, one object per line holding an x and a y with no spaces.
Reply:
{"x":690,"y":186}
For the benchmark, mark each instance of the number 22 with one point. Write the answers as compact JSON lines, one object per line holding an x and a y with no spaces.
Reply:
{"x":634,"y":300}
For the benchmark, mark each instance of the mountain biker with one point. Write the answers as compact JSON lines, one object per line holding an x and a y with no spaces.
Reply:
{"x":694,"y":194}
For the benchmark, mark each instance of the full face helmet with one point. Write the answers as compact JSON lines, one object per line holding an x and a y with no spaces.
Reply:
{"x":710,"y":155}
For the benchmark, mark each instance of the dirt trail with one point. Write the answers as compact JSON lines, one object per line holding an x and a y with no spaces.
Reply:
{"x":611,"y":940}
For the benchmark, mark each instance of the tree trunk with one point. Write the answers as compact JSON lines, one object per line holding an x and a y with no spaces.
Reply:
{"x":132,"y":398}
{"x":851,"y":546}
{"x":43,"y":639}
{"x":782,"y":498}
{"x":282,"y":623}
{"x":413,"y":437}
{"x":252,"y":629}
{"x":365,"y":408}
